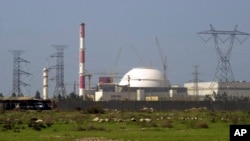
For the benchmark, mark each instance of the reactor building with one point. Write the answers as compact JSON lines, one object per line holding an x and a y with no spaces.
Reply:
{"x":140,"y":84}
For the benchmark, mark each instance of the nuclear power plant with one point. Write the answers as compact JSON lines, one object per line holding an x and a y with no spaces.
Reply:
{"x":138,"y":84}
{"x":149,"y":83}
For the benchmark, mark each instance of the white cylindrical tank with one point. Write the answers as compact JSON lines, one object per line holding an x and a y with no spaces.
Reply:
{"x":140,"y":95}
{"x":143,"y":77}
{"x":45,"y":83}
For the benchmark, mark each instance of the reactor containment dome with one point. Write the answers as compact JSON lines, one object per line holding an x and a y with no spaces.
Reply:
{"x":144,"y":78}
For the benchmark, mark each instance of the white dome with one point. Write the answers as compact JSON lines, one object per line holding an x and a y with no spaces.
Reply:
{"x":143,"y":77}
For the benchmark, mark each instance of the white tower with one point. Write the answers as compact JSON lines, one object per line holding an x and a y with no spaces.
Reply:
{"x":45,"y":83}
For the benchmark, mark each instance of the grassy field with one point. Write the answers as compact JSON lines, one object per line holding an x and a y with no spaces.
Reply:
{"x":189,"y":125}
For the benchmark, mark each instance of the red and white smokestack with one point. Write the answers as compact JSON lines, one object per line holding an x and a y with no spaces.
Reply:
{"x":82,"y":61}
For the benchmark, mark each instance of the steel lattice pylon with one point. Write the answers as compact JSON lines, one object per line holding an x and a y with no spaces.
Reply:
{"x":59,"y":78}
{"x":17,"y":72}
{"x":224,"y":74}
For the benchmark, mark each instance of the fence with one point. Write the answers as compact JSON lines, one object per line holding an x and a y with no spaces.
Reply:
{"x":157,"y":105}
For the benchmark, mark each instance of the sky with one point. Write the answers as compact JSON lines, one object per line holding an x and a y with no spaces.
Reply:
{"x":111,"y":25}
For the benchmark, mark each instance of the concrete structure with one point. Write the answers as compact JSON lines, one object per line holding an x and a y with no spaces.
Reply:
{"x":82,"y":61}
{"x":139,"y":84}
{"x":141,"y":95}
{"x":143,"y":77}
{"x":242,"y":88}
{"x":45,"y":83}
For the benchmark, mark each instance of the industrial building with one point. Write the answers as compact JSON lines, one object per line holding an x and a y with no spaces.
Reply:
{"x":140,"y":84}
{"x":201,"y":89}
{"x":25,"y":102}
{"x":147,"y":83}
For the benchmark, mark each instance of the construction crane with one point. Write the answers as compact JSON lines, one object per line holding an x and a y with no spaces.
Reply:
{"x":164,"y":62}
{"x":137,"y":54}
{"x":113,"y":71}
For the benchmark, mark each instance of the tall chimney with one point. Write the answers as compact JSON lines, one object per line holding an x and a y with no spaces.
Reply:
{"x":45,"y":83}
{"x":82,"y":62}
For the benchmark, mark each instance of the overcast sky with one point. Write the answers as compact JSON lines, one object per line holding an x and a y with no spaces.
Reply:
{"x":34,"y":26}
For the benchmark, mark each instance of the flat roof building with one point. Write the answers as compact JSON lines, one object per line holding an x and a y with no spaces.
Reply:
{"x":201,"y":89}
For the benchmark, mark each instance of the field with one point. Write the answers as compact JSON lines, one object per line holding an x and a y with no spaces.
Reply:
{"x":97,"y":124}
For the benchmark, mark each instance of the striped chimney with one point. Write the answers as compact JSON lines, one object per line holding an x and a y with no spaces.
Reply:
{"x":82,"y":62}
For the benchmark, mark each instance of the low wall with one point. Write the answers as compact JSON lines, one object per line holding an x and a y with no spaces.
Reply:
{"x":157,"y":105}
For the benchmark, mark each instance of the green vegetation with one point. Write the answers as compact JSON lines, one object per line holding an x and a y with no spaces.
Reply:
{"x":189,"y":125}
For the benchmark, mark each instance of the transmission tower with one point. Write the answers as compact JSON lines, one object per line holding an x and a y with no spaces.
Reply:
{"x":18,"y":72}
{"x":224,"y":74}
{"x":59,"y":78}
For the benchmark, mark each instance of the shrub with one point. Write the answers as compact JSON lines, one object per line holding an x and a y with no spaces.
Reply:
{"x":235,"y":119}
{"x":145,"y":124}
{"x":93,"y":128}
{"x":78,"y":108}
{"x":153,"y":124}
{"x":9,"y":124}
{"x":7,"y":127}
{"x":195,"y":124}
{"x":16,"y":130}
{"x":95,"y":110}
{"x":202,"y":125}
{"x":36,"y":127}
{"x":35,"y":124}
{"x":48,"y":124}
{"x":191,"y":124}
{"x":167,"y":124}
{"x":213,"y":120}
{"x":80,"y":128}
{"x":17,"y":121}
